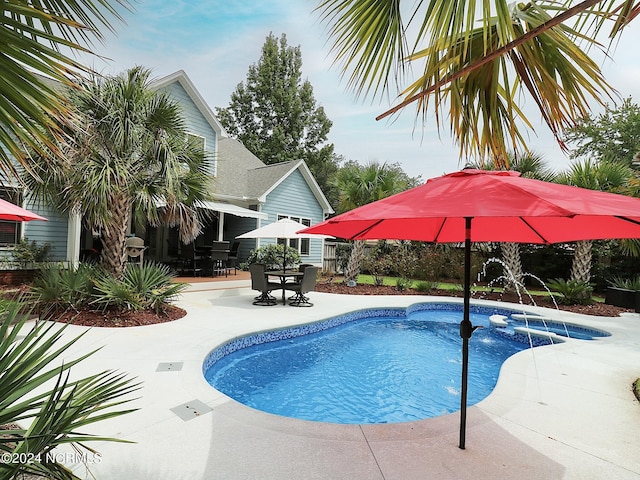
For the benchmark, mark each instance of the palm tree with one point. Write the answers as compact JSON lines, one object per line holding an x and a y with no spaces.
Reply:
{"x":606,"y":176}
{"x":128,"y":152}
{"x":358,"y":185}
{"x":531,"y":165}
{"x":31,"y":37}
{"x":478,"y":60}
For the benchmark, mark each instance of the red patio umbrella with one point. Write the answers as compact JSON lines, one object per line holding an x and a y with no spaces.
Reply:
{"x":488,"y":206}
{"x":14,"y":213}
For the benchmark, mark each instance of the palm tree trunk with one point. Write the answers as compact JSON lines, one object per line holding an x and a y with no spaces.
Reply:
{"x":355,"y":261}
{"x":581,"y":267}
{"x":513,"y":262}
{"x":113,"y":256}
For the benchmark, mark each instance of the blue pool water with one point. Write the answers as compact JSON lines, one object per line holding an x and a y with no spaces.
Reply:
{"x":378,"y":368}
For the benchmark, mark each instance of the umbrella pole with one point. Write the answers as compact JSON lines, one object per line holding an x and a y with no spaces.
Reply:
{"x":466,"y":330}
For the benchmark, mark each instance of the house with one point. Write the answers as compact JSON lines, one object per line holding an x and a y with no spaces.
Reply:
{"x":246,"y":194}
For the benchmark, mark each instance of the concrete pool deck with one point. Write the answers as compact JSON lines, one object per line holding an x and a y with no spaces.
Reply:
{"x":560,"y":412}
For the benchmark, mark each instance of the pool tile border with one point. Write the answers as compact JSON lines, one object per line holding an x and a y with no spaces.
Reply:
{"x":238,"y":343}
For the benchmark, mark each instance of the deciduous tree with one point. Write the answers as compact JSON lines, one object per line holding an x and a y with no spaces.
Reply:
{"x":612,"y":135}
{"x":275,"y":115}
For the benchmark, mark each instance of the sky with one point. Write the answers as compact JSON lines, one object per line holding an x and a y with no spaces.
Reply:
{"x":215,"y":42}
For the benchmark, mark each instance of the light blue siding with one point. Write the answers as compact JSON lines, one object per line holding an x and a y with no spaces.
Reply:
{"x":54,"y":231}
{"x":196,"y":123}
{"x":294,"y":198}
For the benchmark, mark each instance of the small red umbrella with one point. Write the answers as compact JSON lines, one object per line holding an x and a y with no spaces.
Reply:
{"x":488,"y":206}
{"x":14,"y":213}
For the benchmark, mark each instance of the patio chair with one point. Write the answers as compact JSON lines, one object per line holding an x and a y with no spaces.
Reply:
{"x":260,"y":283}
{"x":190,"y":261}
{"x":306,"y":285}
{"x":219,"y":258}
{"x":233,"y":257}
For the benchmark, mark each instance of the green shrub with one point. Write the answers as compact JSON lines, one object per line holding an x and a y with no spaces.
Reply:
{"x":111,"y":293}
{"x":377,"y":266}
{"x":403,"y":284}
{"x":153,"y":283}
{"x":622,"y":282}
{"x":425,"y":286}
{"x":570,"y":292}
{"x":57,"y":288}
{"x":149,"y":286}
{"x":271,"y":255}
{"x":25,"y":253}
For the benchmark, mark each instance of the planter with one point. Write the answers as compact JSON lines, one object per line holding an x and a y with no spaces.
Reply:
{"x":16,"y":277}
{"x":621,"y":297}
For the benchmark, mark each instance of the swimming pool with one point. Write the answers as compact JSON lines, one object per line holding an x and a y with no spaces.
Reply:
{"x":369,"y":366}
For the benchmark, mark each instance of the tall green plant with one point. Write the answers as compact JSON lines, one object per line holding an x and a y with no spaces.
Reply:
{"x":57,"y":288}
{"x":35,"y":390}
{"x":477,"y":62}
{"x":38,"y":41}
{"x":27,"y":252}
{"x":147,"y":286}
{"x":129,"y":149}
{"x":272,"y":256}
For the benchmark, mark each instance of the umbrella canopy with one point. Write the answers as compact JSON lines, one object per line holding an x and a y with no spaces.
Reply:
{"x":504,"y":206}
{"x":13,"y":213}
{"x":488,"y":206}
{"x":283,"y":228}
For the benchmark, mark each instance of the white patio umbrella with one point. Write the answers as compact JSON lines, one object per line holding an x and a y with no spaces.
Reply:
{"x":283,"y":228}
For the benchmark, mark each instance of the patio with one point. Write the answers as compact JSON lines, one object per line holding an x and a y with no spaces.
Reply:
{"x":566,"y":411}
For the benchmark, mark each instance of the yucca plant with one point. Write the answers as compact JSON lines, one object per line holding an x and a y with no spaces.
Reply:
{"x":153,"y":283}
{"x":146,"y":286}
{"x":111,"y":292}
{"x":40,"y":407}
{"x":570,"y":292}
{"x":57,"y":288}
{"x":622,"y":282}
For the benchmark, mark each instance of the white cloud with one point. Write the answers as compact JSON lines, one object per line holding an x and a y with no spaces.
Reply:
{"x":216,"y":41}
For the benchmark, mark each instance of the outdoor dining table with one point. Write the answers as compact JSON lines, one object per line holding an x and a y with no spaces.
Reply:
{"x":283,"y":276}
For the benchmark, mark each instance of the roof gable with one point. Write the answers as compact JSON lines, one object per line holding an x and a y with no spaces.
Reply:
{"x":181,"y":77}
{"x":264,"y":180}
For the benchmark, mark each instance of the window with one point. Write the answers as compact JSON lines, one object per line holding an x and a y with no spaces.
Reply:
{"x":302,"y":244}
{"x":10,"y":232}
{"x":199,"y":142}
{"x":196,"y":141}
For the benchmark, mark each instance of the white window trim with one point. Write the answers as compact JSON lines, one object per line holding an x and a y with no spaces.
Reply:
{"x":298,"y":242}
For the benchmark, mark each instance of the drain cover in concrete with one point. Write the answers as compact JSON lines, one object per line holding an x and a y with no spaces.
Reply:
{"x":190,"y":410}
{"x":169,"y":367}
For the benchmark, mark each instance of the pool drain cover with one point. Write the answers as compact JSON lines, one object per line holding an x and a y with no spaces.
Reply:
{"x":190,"y":410}
{"x":169,"y":367}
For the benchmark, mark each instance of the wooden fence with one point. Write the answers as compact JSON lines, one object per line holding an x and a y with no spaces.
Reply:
{"x":329,"y":264}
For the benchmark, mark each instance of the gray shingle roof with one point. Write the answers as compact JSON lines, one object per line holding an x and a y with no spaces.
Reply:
{"x":234,"y":162}
{"x":242,"y":174}
{"x":262,"y":179}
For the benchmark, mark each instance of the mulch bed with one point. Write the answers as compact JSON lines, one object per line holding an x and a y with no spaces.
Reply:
{"x":93,"y":318}
{"x":137,"y":318}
